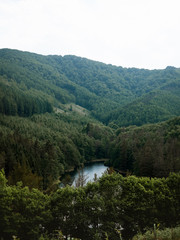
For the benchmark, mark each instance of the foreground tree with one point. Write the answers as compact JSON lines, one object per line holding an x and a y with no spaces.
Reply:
{"x":23,"y":213}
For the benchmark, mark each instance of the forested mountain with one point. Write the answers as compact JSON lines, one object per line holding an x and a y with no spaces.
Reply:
{"x":58,"y":113}
{"x":155,"y":106}
{"x":53,"y":109}
{"x":114,"y":95}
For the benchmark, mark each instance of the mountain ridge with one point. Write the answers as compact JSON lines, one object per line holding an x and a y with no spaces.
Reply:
{"x":104,"y":90}
{"x":59,"y":113}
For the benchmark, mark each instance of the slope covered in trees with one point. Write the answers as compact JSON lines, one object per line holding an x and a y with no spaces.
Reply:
{"x":43,"y":147}
{"x":47,"y":145}
{"x":52,"y":115}
{"x":150,"y":150}
{"x":153,"y":107}
{"x":114,"y":95}
{"x":48,"y":106}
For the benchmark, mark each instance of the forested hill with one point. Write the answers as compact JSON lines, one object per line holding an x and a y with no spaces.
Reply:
{"x":59,"y":113}
{"x":32,"y":83}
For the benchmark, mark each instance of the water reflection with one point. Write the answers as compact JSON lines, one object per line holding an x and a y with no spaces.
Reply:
{"x":89,"y":172}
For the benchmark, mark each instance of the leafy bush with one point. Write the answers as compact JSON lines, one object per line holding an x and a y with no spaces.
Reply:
{"x":166,"y":234}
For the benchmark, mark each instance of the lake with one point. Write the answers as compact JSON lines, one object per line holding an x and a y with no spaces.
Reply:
{"x":89,"y":170}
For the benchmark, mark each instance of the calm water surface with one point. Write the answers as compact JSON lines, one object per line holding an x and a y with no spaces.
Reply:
{"x":91,"y":169}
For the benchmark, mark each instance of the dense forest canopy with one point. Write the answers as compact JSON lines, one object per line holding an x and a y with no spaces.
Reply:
{"x":58,"y":113}
{"x":53,"y":110}
{"x":101,"y":210}
{"x":151,"y":150}
{"x":114,"y":95}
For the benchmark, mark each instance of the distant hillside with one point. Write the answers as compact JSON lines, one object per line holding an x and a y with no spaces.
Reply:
{"x":52,"y":111}
{"x":32,"y":83}
{"x":150,"y":150}
{"x":153,"y":107}
{"x":59,"y":113}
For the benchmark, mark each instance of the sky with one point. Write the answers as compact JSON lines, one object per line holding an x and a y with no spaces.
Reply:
{"x":127,"y":33}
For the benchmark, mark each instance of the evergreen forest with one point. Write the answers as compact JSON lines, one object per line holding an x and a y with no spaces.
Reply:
{"x":58,"y":113}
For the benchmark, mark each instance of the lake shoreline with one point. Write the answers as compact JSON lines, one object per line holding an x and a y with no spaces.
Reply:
{"x":86,"y":163}
{"x":96,"y":160}
{"x":90,"y":168}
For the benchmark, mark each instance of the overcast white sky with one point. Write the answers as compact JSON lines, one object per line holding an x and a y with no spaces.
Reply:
{"x":127,"y":33}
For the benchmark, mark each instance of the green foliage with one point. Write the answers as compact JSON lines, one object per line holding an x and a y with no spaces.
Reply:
{"x":153,"y":107}
{"x":39,"y":149}
{"x":115,"y":95}
{"x":24,"y":174}
{"x":150,"y":150}
{"x":22,"y":212}
{"x":38,"y":145}
{"x":166,"y":234}
{"x":14,"y":101}
{"x":115,"y":206}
